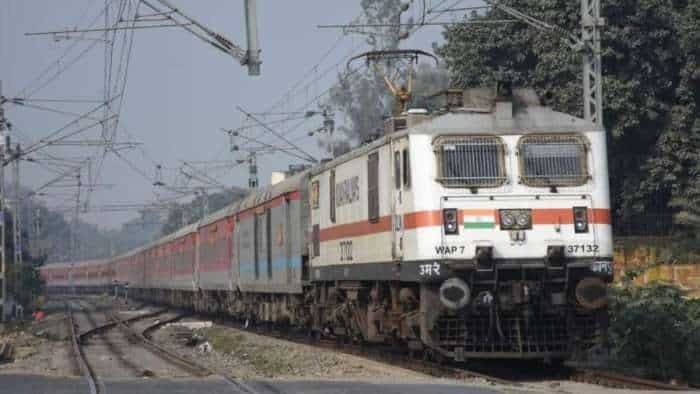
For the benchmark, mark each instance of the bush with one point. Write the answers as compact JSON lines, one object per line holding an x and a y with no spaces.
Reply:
{"x":654,"y":328}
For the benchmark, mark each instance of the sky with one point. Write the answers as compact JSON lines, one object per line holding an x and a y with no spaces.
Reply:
{"x":179,"y":91}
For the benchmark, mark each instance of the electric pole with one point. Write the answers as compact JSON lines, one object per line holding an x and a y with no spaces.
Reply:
{"x":3,"y":138}
{"x":252,"y":170}
{"x":328,"y":126}
{"x":37,"y":232}
{"x":591,"y":22}
{"x":74,"y":230}
{"x":16,"y":223}
{"x":588,"y":43}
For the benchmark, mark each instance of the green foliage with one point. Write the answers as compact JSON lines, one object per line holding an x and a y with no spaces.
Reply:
{"x":651,"y":89}
{"x":362,"y":95}
{"x":655,"y":329}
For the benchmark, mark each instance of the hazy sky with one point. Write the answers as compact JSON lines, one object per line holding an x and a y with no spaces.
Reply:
{"x":180,"y":91}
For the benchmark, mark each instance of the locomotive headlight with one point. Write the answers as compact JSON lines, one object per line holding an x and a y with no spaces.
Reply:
{"x":507,"y":220}
{"x":580,"y":220}
{"x":523,"y":219}
{"x":516,"y":219}
{"x":449,"y":219}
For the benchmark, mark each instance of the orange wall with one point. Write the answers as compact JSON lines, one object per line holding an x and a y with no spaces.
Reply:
{"x":681,"y":269}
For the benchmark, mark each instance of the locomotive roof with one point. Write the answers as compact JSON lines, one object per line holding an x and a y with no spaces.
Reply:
{"x":526,"y":119}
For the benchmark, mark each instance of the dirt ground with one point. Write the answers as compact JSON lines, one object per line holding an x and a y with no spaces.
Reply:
{"x":246,"y":355}
{"x":41,"y":348}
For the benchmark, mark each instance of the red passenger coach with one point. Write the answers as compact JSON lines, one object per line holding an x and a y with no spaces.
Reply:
{"x":215,"y":251}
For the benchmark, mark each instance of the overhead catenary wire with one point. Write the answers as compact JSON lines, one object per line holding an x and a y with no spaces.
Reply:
{"x":308,"y":156}
{"x":24,"y":92}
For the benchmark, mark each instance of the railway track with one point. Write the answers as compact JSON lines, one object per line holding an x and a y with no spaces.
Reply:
{"x":109,"y":325}
{"x":195,"y":368}
{"x":156,"y":349}
{"x":384,"y":354}
{"x":83,"y":363}
{"x":496,"y":375}
{"x":616,"y":380}
{"x":77,"y":342}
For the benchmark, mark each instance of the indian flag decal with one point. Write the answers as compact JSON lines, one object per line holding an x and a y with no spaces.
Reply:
{"x":479,"y":218}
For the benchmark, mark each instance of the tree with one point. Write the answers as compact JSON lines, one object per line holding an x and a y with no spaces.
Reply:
{"x":362,"y":95}
{"x":650,"y":87}
{"x":656,"y":329}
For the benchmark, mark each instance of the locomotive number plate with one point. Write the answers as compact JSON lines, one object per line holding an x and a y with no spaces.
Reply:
{"x":582,"y":249}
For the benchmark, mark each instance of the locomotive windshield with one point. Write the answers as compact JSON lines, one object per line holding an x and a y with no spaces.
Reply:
{"x":474,"y":161}
{"x":553,"y":160}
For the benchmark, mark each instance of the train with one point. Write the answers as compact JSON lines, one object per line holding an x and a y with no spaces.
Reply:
{"x":479,"y":229}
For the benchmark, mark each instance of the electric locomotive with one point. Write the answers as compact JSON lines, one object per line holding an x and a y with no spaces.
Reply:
{"x":479,"y":231}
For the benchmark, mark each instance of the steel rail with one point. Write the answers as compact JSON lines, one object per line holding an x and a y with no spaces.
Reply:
{"x":85,"y":367}
{"x":99,"y":329}
{"x":165,"y":354}
{"x":617,"y":380}
{"x":145,"y":336}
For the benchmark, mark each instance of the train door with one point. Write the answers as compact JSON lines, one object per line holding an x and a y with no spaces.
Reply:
{"x":400,"y":177}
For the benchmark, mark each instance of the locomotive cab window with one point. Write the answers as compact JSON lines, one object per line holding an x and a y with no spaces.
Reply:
{"x":470,"y":161}
{"x":553,"y":160}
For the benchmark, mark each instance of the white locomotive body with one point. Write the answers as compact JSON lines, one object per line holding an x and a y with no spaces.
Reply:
{"x":482,"y":221}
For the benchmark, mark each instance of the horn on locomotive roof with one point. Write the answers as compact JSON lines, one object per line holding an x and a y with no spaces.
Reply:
{"x":402,"y":94}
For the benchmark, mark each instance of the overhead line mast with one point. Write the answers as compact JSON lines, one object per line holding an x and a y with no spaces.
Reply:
{"x":588,"y":44}
{"x":164,"y":8}
{"x":3,"y":263}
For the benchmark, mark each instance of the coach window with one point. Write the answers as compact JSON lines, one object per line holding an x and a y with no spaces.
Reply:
{"x":373,"y":187}
{"x":331,"y":195}
{"x":406,"y":170}
{"x":314,"y":195}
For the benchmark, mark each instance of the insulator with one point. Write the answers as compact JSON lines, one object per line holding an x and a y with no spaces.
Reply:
{"x":223,"y":41}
